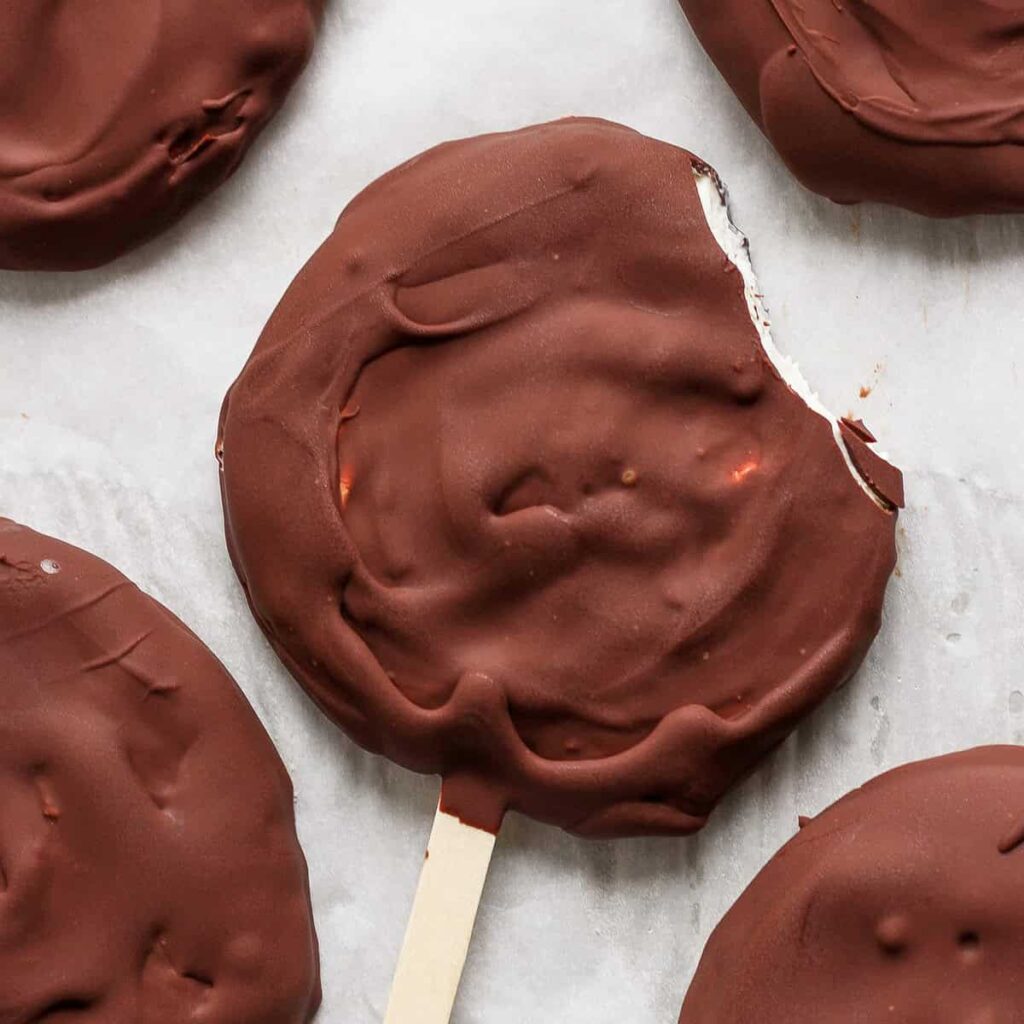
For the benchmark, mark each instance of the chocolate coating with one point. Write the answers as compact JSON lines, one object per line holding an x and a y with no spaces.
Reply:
{"x":884,"y":479}
{"x":116,"y":116}
{"x":519,"y":499}
{"x":149,"y":868}
{"x":918,"y":103}
{"x":902,"y":902}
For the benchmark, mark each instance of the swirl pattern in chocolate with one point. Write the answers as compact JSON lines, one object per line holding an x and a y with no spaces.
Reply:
{"x":902,"y":902}
{"x":920,"y":70}
{"x":519,"y":498}
{"x":116,"y":116}
{"x":913,"y":102}
{"x":149,"y":868}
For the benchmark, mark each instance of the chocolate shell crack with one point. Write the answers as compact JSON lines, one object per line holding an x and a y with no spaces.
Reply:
{"x":884,"y":479}
{"x":219,"y":118}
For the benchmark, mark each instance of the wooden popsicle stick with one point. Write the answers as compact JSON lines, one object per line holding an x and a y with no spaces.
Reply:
{"x":441,"y":924}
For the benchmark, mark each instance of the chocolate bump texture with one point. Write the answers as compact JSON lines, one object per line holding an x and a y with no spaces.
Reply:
{"x":116,"y":116}
{"x":900,"y":902}
{"x":918,"y":103}
{"x":149,"y":868}
{"x":519,"y":499}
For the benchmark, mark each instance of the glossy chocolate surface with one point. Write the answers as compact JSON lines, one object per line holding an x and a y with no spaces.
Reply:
{"x":519,"y":499}
{"x":901,"y":902}
{"x":149,"y":868}
{"x":918,"y":103}
{"x":116,"y":116}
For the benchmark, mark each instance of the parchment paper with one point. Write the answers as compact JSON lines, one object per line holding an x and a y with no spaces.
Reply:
{"x":110,"y":384}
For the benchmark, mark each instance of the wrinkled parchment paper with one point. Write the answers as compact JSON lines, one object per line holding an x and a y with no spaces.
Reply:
{"x":110,"y":384}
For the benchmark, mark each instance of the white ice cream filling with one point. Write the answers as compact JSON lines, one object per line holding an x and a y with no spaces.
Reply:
{"x":734,"y":244}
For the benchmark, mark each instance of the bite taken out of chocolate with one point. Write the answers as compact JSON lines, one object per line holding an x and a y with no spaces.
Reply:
{"x":520,"y":499}
{"x":149,"y":868}
{"x":902,"y":902}
{"x":918,"y":103}
{"x":116,"y":116}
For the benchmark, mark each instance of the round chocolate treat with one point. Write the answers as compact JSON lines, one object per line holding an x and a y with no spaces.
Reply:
{"x":117,"y":115}
{"x":918,"y":103}
{"x":519,"y":498}
{"x":900,"y":903}
{"x":149,"y":870}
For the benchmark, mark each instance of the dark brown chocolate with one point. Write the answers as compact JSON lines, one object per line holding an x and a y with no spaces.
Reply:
{"x":902,"y":903}
{"x":149,"y":869}
{"x":116,"y":116}
{"x":917,"y":103}
{"x":519,"y":499}
{"x":884,"y":479}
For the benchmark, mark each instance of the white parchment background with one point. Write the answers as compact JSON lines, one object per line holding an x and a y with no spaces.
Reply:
{"x":110,"y":384}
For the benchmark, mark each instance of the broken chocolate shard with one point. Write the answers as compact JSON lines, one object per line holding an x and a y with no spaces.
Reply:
{"x":860,"y":429}
{"x":882,"y":477}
